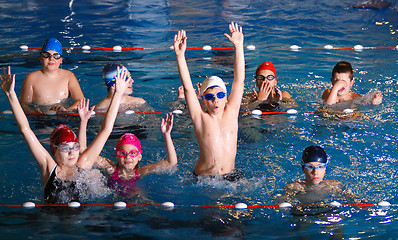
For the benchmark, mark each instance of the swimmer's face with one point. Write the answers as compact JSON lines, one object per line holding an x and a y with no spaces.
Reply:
{"x":314,"y":176}
{"x":51,"y":63}
{"x":266,"y":73}
{"x":216,"y":105}
{"x":129,"y":89}
{"x":66,"y":154}
{"x":131,"y":159}
{"x":343,"y":83}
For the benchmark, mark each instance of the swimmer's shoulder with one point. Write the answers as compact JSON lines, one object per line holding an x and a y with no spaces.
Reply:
{"x":103,"y":105}
{"x":286,"y":95}
{"x":326,"y":93}
{"x":295,"y":186}
{"x":136,"y":100}
{"x":355,"y":95}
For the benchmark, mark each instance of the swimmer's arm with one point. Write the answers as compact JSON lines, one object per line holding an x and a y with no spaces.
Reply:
{"x":171,"y":160}
{"x":41,"y":155}
{"x":329,"y":97}
{"x":90,"y":155}
{"x":75,"y":91}
{"x":180,"y":45}
{"x":236,"y":38}
{"x":84,"y":113}
{"x":105,"y":164}
{"x":27,"y":95}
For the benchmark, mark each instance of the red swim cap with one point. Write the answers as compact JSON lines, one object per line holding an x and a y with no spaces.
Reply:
{"x":61,"y":134}
{"x":266,"y":66}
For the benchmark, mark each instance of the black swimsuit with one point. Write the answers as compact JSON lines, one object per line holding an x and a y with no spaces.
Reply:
{"x":61,"y":191}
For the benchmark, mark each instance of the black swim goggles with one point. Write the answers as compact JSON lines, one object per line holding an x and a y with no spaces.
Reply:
{"x":48,"y":55}
{"x":211,"y":96}
{"x":311,"y":167}
{"x":262,"y":78}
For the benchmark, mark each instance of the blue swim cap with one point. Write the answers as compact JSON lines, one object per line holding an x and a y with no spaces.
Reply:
{"x":109,"y":73}
{"x":52,"y":44}
{"x":314,"y":154}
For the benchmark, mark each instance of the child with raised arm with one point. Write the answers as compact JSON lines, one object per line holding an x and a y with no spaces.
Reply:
{"x":51,"y":85}
{"x":59,"y":174}
{"x":216,"y":127}
{"x":342,"y":82}
{"x":125,"y":173}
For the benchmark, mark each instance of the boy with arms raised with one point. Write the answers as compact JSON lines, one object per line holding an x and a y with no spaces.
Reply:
{"x":216,"y":127}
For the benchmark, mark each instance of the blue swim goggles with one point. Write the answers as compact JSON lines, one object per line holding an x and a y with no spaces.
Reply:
{"x":211,"y":96}
{"x":311,"y":167}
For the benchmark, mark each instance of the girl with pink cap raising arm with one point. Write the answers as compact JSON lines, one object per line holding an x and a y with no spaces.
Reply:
{"x":60,"y":173}
{"x":124,"y":174}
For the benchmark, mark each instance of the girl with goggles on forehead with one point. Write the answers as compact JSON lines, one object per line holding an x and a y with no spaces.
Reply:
{"x":268,"y":97}
{"x":61,"y":173}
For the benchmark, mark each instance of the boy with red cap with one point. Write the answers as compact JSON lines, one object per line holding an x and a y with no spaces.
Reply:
{"x":59,"y":174}
{"x":268,"y":94}
{"x":50,"y":86}
{"x":216,"y":126}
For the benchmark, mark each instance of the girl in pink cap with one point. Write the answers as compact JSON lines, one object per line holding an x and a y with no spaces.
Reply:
{"x":124,"y":174}
{"x":268,"y":94}
{"x":59,"y":173}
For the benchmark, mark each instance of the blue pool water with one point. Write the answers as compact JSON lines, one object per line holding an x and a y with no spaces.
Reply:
{"x":363,"y":152}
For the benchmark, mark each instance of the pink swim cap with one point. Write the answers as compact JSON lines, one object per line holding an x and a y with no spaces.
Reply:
{"x":266,"y":66}
{"x":61,"y":134}
{"x":129,"y":138}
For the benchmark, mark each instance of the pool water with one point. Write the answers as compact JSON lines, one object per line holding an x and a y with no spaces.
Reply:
{"x":362,"y":151}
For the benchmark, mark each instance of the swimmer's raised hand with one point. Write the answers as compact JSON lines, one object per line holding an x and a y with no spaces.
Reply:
{"x":84,"y":110}
{"x":120,"y":81}
{"x":180,"y":42}
{"x":236,"y":36}
{"x":7,"y":81}
{"x":167,"y":124}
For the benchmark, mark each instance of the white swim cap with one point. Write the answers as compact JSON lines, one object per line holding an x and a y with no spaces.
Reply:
{"x":212,"y":81}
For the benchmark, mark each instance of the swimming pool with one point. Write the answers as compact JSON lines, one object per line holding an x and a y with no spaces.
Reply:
{"x":362,"y":152}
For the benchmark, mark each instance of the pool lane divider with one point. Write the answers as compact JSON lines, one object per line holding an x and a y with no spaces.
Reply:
{"x":53,"y":113}
{"x":256,"y":112}
{"x":171,"y":205}
{"x":117,"y":48}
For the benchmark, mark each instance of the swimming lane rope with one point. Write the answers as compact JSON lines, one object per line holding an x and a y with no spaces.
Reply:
{"x":172,"y":205}
{"x":87,"y":48}
{"x":254,"y":112}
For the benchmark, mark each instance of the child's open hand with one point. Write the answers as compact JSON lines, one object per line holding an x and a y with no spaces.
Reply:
{"x":236,"y":34}
{"x":167,"y":124}
{"x":120,"y":80}
{"x":264,"y":91}
{"x":84,"y":111}
{"x":7,"y":81}
{"x":180,"y":42}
